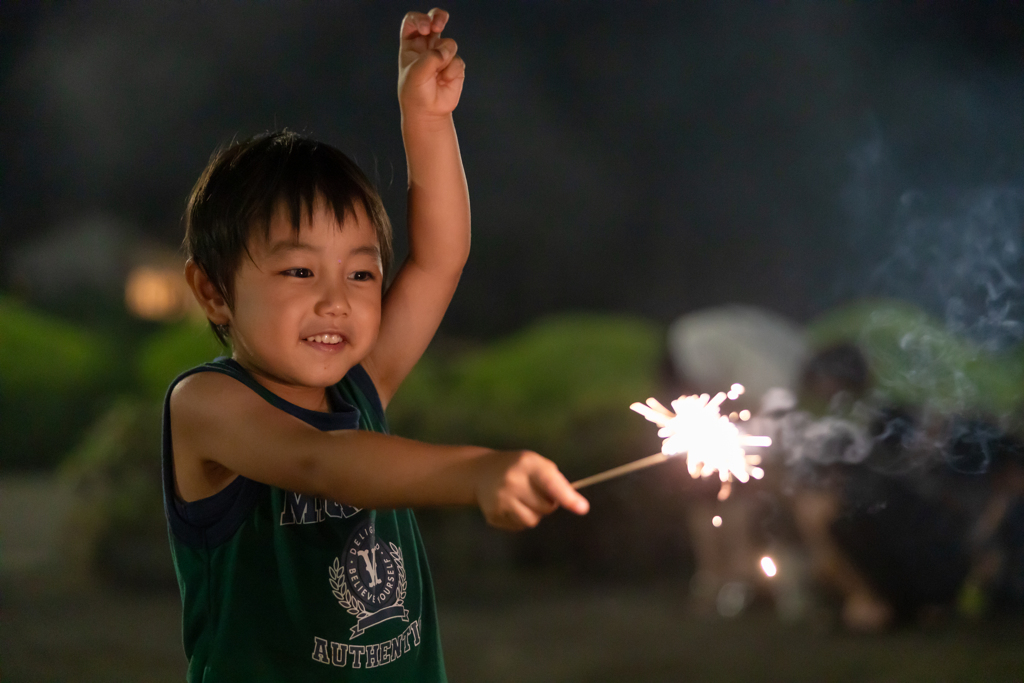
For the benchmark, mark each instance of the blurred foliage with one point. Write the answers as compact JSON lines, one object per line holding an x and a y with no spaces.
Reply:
{"x":173,"y":350}
{"x":57,"y":377}
{"x":561,"y":387}
{"x":117,"y":528}
{"x":916,"y":362}
{"x":53,"y":379}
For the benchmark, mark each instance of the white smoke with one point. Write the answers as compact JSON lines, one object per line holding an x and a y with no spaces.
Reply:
{"x":962,"y":259}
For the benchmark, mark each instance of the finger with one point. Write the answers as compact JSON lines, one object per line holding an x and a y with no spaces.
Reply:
{"x":522,"y":516}
{"x":454,"y":71}
{"x":446,"y":48}
{"x":438,"y":19}
{"x":554,"y":485}
{"x":415,"y":24}
{"x":435,"y":60}
{"x":537,"y":501}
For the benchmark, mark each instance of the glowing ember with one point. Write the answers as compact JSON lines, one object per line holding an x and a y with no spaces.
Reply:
{"x":768,"y":567}
{"x":716,"y":521}
{"x":710,"y":441}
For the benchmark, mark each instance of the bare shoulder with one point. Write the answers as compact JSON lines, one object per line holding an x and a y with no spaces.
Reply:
{"x":210,"y":400}
{"x":203,"y":407}
{"x":203,"y":392}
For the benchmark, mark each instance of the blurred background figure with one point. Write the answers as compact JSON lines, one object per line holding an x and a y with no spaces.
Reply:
{"x":995,"y":584}
{"x":831,"y":382}
{"x":892,"y":488}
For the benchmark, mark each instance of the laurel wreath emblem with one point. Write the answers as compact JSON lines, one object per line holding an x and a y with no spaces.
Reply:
{"x":400,"y":565}
{"x":345,"y":598}
{"x":350,"y":602}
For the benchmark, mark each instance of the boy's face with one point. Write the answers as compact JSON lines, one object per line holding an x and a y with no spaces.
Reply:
{"x":307,"y":308}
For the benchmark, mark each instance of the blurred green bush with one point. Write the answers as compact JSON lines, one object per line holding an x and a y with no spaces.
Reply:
{"x":57,"y":377}
{"x":915,"y":361}
{"x":117,"y":530}
{"x":562,"y":387}
{"x":54,"y":377}
{"x":173,"y":350}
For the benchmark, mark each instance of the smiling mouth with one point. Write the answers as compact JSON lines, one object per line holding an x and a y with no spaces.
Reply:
{"x":326,"y":338}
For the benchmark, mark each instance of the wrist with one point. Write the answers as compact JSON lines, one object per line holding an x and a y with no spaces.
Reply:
{"x":425,"y":122}
{"x":486,"y":471}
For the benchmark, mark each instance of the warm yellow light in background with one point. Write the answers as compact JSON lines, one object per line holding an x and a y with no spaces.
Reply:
{"x":768,"y":566}
{"x":155,"y":293}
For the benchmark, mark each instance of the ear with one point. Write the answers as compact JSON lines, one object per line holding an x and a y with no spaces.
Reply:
{"x":209,"y":298}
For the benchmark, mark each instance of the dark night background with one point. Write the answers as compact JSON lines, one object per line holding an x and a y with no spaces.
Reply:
{"x":645,"y":158}
{"x":654,"y":157}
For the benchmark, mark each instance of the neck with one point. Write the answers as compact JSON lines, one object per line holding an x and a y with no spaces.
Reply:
{"x":310,"y":398}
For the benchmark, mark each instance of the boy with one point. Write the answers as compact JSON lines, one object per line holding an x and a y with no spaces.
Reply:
{"x":280,"y":488}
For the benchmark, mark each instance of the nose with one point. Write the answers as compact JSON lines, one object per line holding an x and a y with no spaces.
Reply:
{"x":333,"y":299}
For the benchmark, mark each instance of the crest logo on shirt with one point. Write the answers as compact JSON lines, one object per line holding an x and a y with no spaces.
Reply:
{"x":369,"y":580}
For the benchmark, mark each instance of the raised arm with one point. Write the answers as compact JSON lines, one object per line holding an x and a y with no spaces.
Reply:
{"x":220,"y":428}
{"x":429,"y":86}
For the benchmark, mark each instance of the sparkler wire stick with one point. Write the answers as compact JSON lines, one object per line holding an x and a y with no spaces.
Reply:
{"x":614,"y":472}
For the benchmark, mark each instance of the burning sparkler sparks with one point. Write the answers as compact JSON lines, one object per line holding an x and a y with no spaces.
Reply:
{"x":710,"y":440}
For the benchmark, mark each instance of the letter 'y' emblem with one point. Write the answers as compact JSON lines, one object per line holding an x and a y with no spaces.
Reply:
{"x":370,"y":582}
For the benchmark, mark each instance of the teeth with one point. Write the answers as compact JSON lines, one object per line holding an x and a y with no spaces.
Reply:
{"x":325,"y":338}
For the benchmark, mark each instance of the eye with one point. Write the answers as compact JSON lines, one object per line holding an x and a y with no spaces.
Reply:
{"x":298,"y":272}
{"x":363,"y":276}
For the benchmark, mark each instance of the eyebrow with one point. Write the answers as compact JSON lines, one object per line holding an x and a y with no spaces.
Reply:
{"x":368,"y":249}
{"x":287,"y":246}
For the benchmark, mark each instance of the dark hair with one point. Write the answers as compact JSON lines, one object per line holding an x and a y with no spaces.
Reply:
{"x":242,"y":186}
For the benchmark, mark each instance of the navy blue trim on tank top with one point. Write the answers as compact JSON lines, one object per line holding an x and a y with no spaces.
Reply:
{"x":211,"y":521}
{"x":362,"y":380}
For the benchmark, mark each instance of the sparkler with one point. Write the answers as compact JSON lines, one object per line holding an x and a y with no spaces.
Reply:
{"x":711,"y":441}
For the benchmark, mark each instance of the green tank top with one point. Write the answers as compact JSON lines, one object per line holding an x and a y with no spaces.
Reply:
{"x":278,"y":586}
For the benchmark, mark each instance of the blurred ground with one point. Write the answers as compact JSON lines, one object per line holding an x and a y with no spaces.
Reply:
{"x":510,"y":627}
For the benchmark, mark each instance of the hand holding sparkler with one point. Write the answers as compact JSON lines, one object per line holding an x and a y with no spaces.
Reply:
{"x":517,"y":488}
{"x":711,"y":441}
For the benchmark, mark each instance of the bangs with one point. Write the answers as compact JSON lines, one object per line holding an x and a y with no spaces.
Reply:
{"x":244,"y":185}
{"x":308,"y":174}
